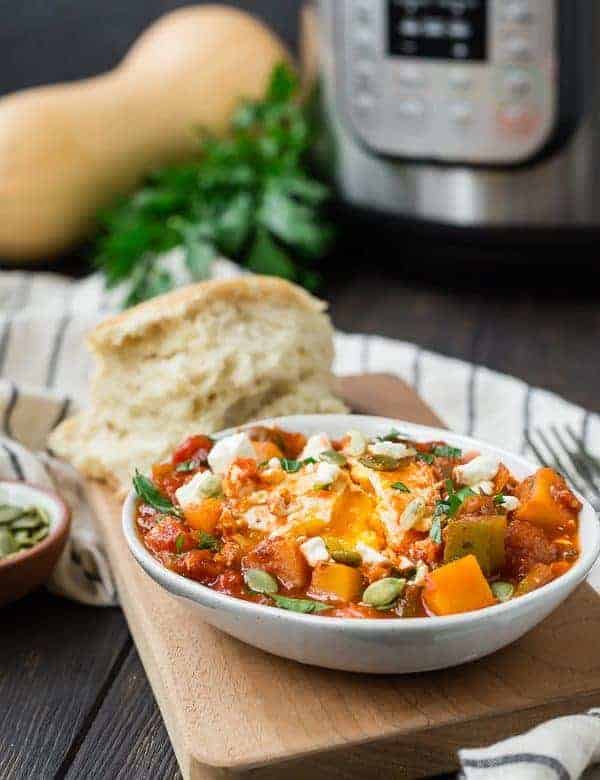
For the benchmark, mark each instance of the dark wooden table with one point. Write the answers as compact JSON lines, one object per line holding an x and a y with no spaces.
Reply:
{"x":74,"y":699}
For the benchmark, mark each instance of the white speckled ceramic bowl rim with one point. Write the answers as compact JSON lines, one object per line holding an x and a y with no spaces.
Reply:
{"x":589,"y":527}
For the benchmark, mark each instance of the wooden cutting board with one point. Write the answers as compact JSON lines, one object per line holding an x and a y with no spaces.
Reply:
{"x":233,"y":710}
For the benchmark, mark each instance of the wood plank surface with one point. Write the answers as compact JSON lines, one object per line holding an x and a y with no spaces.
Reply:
{"x":139,"y":750}
{"x":222,"y":700}
{"x":57,"y":660}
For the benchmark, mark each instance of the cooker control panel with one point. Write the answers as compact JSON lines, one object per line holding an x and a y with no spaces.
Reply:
{"x":471,"y":81}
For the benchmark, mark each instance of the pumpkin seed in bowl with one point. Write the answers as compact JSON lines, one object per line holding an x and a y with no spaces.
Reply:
{"x":21,"y":528}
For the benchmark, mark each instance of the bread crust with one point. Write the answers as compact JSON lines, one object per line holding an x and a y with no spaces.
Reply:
{"x":165,"y":310}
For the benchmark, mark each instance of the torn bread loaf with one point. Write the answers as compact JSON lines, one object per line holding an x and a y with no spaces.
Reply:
{"x":198,"y":360}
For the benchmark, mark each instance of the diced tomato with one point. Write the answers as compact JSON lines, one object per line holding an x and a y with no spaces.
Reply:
{"x":164,"y":537}
{"x":478,"y":505}
{"x":418,"y":546}
{"x":193,"y":448}
{"x":230,"y":582}
{"x":526,"y":545}
{"x":290,"y":444}
{"x":200,"y":565}
{"x":283,"y":558}
{"x":167,"y":479}
{"x":147,"y":517}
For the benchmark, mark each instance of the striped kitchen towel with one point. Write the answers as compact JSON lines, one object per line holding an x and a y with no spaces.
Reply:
{"x":561,"y":749}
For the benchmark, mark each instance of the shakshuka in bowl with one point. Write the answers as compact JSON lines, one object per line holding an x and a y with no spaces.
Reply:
{"x":360,"y":543}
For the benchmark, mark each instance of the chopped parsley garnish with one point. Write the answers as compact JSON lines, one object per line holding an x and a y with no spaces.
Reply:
{"x":208,"y":542}
{"x":499,"y":499}
{"x":445,"y":451}
{"x":455,"y":500}
{"x":400,"y":486}
{"x":448,"y":507}
{"x":426,"y":457}
{"x":393,"y":435}
{"x":307,"y":606}
{"x":152,"y":496}
{"x":292,"y":466}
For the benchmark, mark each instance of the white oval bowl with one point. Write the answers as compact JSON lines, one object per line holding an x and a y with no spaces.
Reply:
{"x":387,"y":645}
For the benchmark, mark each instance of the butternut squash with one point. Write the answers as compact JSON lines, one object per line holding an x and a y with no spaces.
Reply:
{"x":457,"y":587}
{"x":336,"y":581}
{"x":68,"y":150}
{"x":547,"y":502}
{"x":205,"y":515}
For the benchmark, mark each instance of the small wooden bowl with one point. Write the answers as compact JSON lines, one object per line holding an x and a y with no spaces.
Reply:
{"x":27,"y":570}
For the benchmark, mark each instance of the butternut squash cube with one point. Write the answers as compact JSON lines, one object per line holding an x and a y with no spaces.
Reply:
{"x":546,"y":501}
{"x":457,"y":587}
{"x":336,"y":581}
{"x":204,"y":516}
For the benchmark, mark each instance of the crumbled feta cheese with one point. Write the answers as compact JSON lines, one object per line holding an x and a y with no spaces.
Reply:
{"x":274,"y":463}
{"x":480,"y":469}
{"x":316,"y":444}
{"x":405,"y":563}
{"x":202,"y":485}
{"x":315,"y":551}
{"x":229,"y":449}
{"x":357,"y":444}
{"x":412,"y":514}
{"x":485,"y":488}
{"x":510,"y":503}
{"x":369,"y":554}
{"x":391,"y":448}
{"x":421,"y":573}
{"x":325,"y":474}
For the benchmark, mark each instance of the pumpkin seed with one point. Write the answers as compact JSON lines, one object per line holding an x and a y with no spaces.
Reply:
{"x":27,"y":522}
{"x":383,"y":592}
{"x":260,"y":581}
{"x":502,"y":590}
{"x":349,"y":557}
{"x":9,"y":513}
{"x":21,"y":528}
{"x":7,"y":543}
{"x":21,"y":537}
{"x":380,"y":462}
{"x":333,"y":456}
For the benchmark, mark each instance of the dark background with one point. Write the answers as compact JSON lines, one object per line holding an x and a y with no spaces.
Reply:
{"x":45,"y":41}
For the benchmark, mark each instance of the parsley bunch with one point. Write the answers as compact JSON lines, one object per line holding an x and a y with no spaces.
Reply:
{"x":247,"y":196}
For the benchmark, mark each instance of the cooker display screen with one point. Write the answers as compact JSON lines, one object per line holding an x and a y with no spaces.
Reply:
{"x":438,"y":29}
